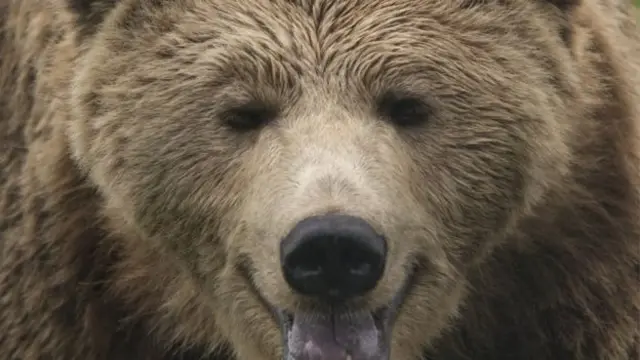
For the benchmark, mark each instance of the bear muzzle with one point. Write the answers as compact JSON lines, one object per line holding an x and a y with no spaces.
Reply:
{"x":333,"y":259}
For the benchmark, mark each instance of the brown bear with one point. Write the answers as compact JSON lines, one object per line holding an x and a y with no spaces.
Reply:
{"x":319,"y":179}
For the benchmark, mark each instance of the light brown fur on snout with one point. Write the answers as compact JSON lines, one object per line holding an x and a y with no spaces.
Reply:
{"x":137,"y":223}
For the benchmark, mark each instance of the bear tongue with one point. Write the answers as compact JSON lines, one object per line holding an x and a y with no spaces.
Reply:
{"x":348,"y":337}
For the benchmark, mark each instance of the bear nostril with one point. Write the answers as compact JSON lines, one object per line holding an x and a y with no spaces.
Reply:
{"x":357,"y":265}
{"x":306,"y":264}
{"x":333,"y":257}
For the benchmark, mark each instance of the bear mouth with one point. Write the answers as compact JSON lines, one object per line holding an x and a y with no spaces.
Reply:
{"x":341,"y":334}
{"x":336,"y":333}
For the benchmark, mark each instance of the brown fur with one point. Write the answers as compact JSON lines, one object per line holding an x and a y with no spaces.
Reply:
{"x":135,"y":224}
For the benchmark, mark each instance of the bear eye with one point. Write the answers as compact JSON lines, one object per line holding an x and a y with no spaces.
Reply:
{"x":404,"y":110}
{"x":249,"y":116}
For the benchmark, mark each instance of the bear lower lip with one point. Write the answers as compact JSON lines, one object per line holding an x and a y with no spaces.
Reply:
{"x":361,"y":335}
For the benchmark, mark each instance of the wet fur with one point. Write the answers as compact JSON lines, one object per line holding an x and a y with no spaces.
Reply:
{"x":80,"y":279}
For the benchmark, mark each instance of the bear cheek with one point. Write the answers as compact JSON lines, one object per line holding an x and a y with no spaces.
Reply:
{"x":470,"y":192}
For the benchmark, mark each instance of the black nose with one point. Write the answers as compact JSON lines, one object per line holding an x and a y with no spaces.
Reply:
{"x":333,"y":257}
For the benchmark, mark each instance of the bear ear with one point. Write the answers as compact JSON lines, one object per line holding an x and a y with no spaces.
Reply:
{"x":90,"y":13}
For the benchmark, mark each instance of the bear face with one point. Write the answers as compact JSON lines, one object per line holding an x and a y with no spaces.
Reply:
{"x":213,"y":129}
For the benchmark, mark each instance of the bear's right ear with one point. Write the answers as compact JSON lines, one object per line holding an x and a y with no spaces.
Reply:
{"x":90,"y":13}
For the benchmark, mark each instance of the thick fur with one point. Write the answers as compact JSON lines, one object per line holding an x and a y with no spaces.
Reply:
{"x":137,"y":224}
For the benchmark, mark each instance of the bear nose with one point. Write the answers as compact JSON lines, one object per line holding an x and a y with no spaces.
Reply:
{"x":333,"y":257}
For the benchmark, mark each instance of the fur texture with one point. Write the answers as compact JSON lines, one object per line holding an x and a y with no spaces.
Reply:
{"x":154,"y":153}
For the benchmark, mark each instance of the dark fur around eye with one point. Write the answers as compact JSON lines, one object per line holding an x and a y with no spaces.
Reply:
{"x":404,"y":110}
{"x":251,"y":116}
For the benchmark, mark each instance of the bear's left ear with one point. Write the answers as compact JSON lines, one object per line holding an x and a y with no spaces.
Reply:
{"x":90,"y":13}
